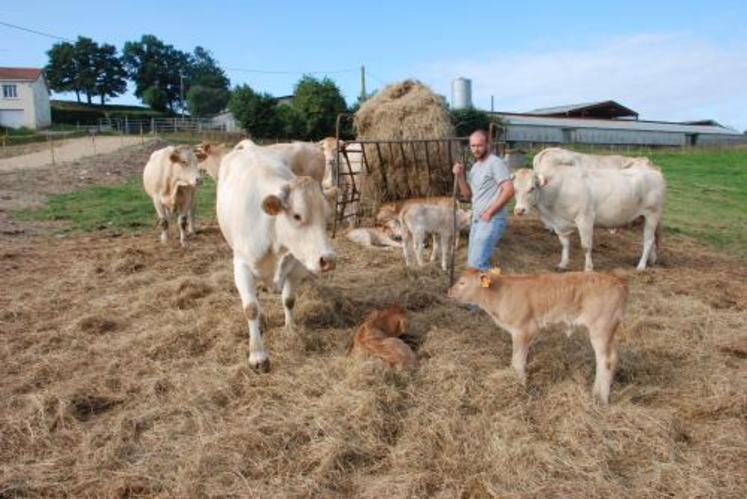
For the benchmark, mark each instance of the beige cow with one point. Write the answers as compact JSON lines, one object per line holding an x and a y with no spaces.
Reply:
{"x":210,"y":156}
{"x":523,"y":304}
{"x":553,"y":157}
{"x":372,"y":237}
{"x":581,"y":198}
{"x":170,"y":178}
{"x":275,"y":223}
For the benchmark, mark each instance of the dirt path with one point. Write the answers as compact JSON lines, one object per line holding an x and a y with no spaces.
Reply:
{"x":66,"y":151}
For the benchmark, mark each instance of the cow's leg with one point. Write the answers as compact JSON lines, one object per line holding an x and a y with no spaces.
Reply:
{"x":649,"y":250}
{"x":586,"y":233}
{"x":435,"y":247}
{"x":418,"y":237}
{"x":163,"y":220}
{"x":602,"y":340}
{"x":565,"y":243}
{"x":447,"y":246}
{"x":521,"y":339}
{"x":246,"y":284}
{"x":407,"y":245}
{"x":183,"y":225}
{"x":290,"y":285}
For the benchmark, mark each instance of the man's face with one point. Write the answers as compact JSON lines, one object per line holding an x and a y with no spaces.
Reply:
{"x":478,"y":144}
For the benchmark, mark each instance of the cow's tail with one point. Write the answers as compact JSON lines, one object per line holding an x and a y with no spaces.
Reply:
{"x":657,"y":237}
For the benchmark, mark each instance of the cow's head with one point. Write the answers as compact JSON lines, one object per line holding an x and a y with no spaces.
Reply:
{"x":471,"y":285}
{"x":464,"y":219}
{"x":184,"y":161}
{"x":391,"y":320}
{"x":302,"y":211}
{"x":527,"y":185}
{"x":209,"y":157}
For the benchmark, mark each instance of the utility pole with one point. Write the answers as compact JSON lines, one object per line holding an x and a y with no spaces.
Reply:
{"x":492,"y":110}
{"x":181,"y":92}
{"x":363,"y":83}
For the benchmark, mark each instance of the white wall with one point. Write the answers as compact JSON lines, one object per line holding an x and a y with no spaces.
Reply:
{"x":32,"y":99}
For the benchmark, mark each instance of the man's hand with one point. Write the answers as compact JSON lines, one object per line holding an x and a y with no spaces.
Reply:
{"x":458,"y":169}
{"x":486,"y":216}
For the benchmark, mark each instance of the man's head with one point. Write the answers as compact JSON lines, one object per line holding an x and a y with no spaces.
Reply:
{"x":478,"y":144}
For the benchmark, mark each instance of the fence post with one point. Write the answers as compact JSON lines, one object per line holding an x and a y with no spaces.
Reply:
{"x":153,"y":126}
{"x":174,"y":125}
{"x":51,"y":147}
{"x":127,"y":125}
{"x":142,"y":139}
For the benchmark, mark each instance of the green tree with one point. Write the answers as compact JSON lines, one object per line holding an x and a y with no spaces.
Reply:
{"x":61,"y":70}
{"x":291,"y":123}
{"x":152,"y":64}
{"x":256,"y":112}
{"x":319,"y":102}
{"x":468,"y":120}
{"x":86,"y":51}
{"x":204,"y":101}
{"x":208,"y":86}
{"x":110,"y":73}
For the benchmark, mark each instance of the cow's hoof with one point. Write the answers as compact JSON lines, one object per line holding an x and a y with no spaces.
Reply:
{"x":261,"y":367}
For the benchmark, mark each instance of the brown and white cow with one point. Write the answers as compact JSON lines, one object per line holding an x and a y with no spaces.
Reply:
{"x":170,"y":178}
{"x":274,"y":221}
{"x":379,"y":336}
{"x":210,"y":156}
{"x":568,"y":198}
{"x":524,"y":304}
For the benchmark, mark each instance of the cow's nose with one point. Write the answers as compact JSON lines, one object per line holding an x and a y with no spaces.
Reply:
{"x":519,"y":211}
{"x":327,"y":263}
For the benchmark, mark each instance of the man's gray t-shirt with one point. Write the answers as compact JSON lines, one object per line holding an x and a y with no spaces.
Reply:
{"x":485,"y":179}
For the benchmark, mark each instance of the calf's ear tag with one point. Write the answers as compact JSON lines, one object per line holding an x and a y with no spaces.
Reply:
{"x":485,"y":281}
{"x":495,"y":271}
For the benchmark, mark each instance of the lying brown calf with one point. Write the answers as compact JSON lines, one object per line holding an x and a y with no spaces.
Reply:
{"x":522,"y":304}
{"x":378,"y":337}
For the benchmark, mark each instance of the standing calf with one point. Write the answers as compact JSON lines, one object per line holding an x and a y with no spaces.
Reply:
{"x":522,"y":304}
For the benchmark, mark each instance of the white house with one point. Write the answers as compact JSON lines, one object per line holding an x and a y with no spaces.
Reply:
{"x":24,"y":98}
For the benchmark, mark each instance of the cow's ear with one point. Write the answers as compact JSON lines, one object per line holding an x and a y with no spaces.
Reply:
{"x":541,"y":180}
{"x":272,"y":205}
{"x":485,"y":281}
{"x":175,"y":157}
{"x":206,"y":148}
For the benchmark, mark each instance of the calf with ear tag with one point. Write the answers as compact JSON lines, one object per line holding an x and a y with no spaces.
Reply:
{"x":486,"y":279}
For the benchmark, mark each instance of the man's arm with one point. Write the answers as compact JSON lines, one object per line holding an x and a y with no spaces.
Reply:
{"x":505,"y":195}
{"x":464,"y":188}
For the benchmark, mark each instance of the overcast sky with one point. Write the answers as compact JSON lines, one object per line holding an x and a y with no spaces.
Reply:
{"x":667,"y":60}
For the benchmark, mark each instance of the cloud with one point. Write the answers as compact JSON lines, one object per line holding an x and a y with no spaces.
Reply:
{"x":666,"y":76}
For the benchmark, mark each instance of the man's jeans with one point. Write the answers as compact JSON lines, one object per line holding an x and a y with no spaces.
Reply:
{"x":483,"y":237}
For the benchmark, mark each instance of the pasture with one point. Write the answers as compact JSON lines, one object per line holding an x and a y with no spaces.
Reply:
{"x":125,"y":374}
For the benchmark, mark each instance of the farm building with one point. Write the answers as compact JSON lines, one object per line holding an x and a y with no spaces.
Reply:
{"x":609,"y":123}
{"x":25,"y":98}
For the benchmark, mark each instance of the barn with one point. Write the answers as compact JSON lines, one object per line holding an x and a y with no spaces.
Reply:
{"x":25,"y":98}
{"x":608,"y":123}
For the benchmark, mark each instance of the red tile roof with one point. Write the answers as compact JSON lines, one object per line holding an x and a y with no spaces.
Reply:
{"x":27,"y":74}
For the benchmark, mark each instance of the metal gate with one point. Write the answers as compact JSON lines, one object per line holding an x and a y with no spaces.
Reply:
{"x":421,"y":156}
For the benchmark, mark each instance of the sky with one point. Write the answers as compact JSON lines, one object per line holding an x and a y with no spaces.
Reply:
{"x":667,"y":60}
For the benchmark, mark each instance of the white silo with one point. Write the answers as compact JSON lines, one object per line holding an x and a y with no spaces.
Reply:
{"x":461,"y":93}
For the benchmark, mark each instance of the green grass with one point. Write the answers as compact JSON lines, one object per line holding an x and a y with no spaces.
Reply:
{"x":115,"y":208}
{"x":707,"y":196}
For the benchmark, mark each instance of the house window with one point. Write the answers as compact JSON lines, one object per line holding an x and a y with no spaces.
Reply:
{"x":9,"y":92}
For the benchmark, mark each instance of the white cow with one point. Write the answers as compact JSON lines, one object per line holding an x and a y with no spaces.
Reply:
{"x":557,"y":156}
{"x":170,"y":178}
{"x":350,"y":170}
{"x":420,"y":217}
{"x":585,"y":198}
{"x":274,"y":221}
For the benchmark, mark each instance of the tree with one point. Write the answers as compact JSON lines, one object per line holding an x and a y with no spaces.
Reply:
{"x":204,"y":101}
{"x":291,"y":123}
{"x":152,"y":64}
{"x":468,"y":120}
{"x":110,"y":73}
{"x":319,"y":101}
{"x":207,"y":84}
{"x":85,"y":53}
{"x":256,"y":112}
{"x":61,"y":70}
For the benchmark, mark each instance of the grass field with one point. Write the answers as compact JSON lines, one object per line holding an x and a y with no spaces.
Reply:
{"x":707,"y":200}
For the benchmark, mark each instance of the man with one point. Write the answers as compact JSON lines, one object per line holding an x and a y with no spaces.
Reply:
{"x":490,"y":188}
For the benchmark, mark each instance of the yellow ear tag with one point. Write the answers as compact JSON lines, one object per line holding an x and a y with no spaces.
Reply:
{"x":495,"y":271}
{"x":484,"y":281}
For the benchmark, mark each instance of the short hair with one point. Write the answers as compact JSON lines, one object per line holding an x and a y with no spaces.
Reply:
{"x":480,"y":131}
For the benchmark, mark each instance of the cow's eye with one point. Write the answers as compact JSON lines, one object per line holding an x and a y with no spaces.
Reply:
{"x":297,"y":217}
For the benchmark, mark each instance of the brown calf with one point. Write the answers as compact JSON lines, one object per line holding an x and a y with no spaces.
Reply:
{"x":522,"y":304}
{"x":378,"y":337}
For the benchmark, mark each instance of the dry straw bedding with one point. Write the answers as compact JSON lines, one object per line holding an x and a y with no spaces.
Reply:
{"x":124,"y":373}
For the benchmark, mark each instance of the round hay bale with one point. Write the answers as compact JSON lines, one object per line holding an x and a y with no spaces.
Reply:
{"x":406,"y":110}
